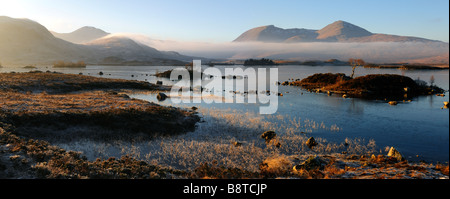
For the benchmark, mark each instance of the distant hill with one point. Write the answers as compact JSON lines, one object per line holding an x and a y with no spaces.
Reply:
{"x":339,"y":31}
{"x":82,"y":35}
{"x":24,"y":42}
{"x":127,"y":50}
{"x":274,"y":34}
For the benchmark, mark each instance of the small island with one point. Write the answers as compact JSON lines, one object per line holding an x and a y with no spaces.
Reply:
{"x":402,"y":66}
{"x":260,"y":62}
{"x":377,"y":86}
{"x":62,"y":64}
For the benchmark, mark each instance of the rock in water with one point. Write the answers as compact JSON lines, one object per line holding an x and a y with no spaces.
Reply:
{"x":237,"y":144}
{"x":161,"y":97}
{"x":393,"y":103}
{"x":268,"y":136}
{"x":311,"y":142}
{"x":395,"y":154}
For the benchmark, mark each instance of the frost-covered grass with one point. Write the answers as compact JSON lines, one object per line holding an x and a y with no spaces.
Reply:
{"x":227,"y":143}
{"x":215,"y":140}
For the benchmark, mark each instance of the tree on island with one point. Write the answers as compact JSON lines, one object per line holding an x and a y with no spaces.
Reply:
{"x":431,"y":80}
{"x":355,"y":64}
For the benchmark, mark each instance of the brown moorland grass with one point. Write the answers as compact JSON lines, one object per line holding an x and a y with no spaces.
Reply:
{"x":38,"y":103}
{"x":51,"y":82}
{"x":29,"y":109}
{"x":46,"y":102}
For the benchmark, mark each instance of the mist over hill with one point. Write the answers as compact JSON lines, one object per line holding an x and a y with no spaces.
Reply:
{"x":24,"y":42}
{"x":376,"y":52}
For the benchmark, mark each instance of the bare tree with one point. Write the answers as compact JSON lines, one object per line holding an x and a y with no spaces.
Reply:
{"x":355,"y":64}
{"x":431,"y":80}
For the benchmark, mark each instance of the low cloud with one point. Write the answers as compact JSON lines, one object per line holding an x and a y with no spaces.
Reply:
{"x":372,"y":52}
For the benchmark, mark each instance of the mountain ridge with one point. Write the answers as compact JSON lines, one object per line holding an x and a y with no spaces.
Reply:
{"x":338,"y":31}
{"x":24,"y":41}
{"x":82,"y":35}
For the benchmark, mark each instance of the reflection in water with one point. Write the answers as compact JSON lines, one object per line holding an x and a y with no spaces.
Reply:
{"x":417,"y":127}
{"x":355,"y":107}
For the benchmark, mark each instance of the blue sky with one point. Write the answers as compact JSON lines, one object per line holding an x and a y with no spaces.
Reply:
{"x":221,"y":21}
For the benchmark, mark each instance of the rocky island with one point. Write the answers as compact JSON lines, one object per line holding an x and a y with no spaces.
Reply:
{"x":260,"y":62}
{"x":378,"y":86}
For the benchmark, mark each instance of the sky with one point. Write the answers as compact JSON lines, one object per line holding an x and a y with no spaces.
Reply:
{"x":222,"y":21}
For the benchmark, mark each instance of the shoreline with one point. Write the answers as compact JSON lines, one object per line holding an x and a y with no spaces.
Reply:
{"x":39,"y":107}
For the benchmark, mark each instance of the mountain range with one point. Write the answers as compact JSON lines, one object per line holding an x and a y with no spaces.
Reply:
{"x":24,"y":42}
{"x":339,"y":31}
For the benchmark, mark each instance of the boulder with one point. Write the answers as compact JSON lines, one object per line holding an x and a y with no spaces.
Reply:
{"x":161,"y":97}
{"x":393,"y":103}
{"x":268,"y":136}
{"x":311,"y":142}
{"x":395,"y":154}
{"x":237,"y":144}
{"x":312,"y":163}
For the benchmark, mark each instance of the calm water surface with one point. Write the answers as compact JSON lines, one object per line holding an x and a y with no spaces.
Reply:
{"x":419,"y":129}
